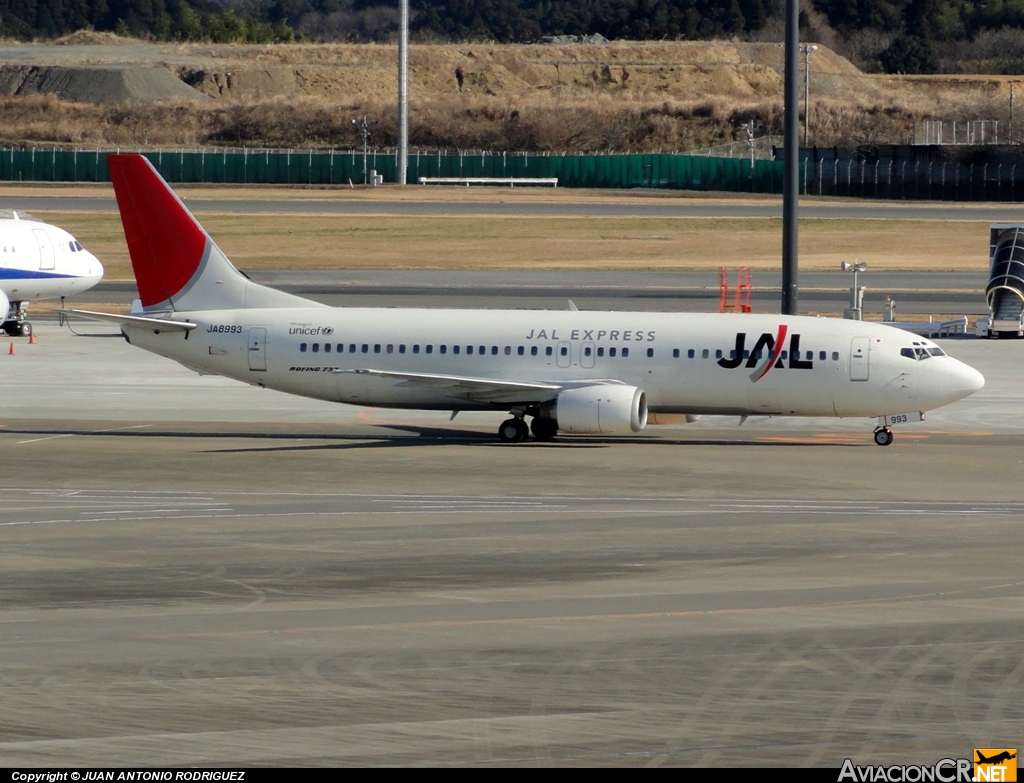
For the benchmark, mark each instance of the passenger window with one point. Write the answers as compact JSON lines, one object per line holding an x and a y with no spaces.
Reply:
{"x":469,"y":350}
{"x":690,"y":354}
{"x":521,"y":350}
{"x":327,"y":347}
{"x":675,"y":353}
{"x":650,"y":352}
{"x":366,"y":348}
{"x":784,"y":354}
{"x":316,"y":347}
{"x":415,"y":349}
{"x":548,"y":351}
{"x":822,"y":355}
{"x":341,"y":347}
{"x":835,"y":356}
{"x":351,"y":347}
{"x":705,"y":354}
{"x":441,"y":349}
{"x":430,"y":349}
{"x":533,"y":350}
{"x":746,"y":354}
{"x":456,"y":349}
{"x":564,"y":351}
{"x":508,"y":350}
{"x":376,"y":348}
{"x":732,"y":354}
{"x":302,"y":347}
{"x":483,"y":350}
{"x":600,"y":351}
{"x":611,"y":352}
{"x":390,"y":348}
{"x":587,"y":351}
{"x":401,"y":348}
{"x":625,"y":351}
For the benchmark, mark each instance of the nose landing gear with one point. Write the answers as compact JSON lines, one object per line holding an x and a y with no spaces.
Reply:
{"x":883,"y":436}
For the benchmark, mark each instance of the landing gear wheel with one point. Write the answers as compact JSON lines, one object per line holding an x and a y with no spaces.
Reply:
{"x":883,"y":436}
{"x":25,"y":329}
{"x":543,"y":429}
{"x":513,"y":431}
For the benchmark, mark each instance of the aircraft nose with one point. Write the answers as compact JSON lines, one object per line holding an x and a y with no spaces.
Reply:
{"x":964,"y":379}
{"x":94,"y":269}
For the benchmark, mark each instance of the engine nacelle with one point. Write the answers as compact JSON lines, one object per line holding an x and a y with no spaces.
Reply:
{"x":605,"y":409}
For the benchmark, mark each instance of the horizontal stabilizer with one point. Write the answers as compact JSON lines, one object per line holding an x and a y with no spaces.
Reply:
{"x":156,"y":324}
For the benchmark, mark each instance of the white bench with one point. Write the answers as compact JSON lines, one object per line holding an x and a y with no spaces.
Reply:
{"x":510,"y":181}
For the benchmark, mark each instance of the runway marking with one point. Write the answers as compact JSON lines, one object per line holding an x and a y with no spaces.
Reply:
{"x":91,"y":432}
{"x":607,"y":617}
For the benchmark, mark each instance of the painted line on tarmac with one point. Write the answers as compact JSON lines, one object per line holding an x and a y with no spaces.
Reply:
{"x":92,"y":432}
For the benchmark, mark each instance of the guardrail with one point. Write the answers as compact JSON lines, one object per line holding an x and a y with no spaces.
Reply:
{"x":510,"y":181}
{"x":931,"y":328}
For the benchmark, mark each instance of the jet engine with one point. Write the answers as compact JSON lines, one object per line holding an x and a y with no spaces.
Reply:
{"x":605,"y":409}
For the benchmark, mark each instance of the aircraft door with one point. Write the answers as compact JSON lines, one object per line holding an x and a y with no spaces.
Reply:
{"x":587,"y":355}
{"x":46,"y":258}
{"x":860,"y":358}
{"x":258,"y":349}
{"x":563,"y":354}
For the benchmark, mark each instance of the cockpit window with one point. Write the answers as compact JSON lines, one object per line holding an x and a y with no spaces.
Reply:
{"x":936,"y":351}
{"x":908,"y":352}
{"x":922,"y":354}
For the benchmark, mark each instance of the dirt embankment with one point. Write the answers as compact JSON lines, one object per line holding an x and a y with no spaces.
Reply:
{"x":578,"y":97}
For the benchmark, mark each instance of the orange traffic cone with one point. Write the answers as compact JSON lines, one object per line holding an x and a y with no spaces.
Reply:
{"x":12,"y":351}
{"x":32,"y":338}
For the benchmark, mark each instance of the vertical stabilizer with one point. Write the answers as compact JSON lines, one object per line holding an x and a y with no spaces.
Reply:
{"x":177,"y":265}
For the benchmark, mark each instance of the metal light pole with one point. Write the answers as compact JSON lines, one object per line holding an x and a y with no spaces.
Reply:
{"x":791,"y":145}
{"x":856,"y":310}
{"x":749,"y":128}
{"x":805,"y":50}
{"x":403,"y":92}
{"x":364,"y":130}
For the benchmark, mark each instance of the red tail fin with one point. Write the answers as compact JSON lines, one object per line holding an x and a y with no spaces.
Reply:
{"x":165,"y":242}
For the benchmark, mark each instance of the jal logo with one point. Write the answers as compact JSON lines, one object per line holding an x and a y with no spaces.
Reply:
{"x":768,"y":351}
{"x":995,"y":764}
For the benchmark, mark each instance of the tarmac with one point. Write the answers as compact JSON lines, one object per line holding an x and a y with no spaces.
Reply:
{"x":198,"y":572}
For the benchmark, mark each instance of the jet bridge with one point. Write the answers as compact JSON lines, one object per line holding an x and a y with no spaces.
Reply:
{"x":1005,"y":291}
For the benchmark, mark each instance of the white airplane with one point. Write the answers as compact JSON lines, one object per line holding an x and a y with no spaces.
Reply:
{"x":569,"y":371}
{"x":39,"y":261}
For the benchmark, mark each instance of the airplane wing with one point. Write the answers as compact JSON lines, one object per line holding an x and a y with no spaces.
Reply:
{"x":157,"y":324}
{"x":477,"y":389}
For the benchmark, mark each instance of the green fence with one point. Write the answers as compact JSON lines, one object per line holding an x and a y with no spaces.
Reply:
{"x":319,"y":167}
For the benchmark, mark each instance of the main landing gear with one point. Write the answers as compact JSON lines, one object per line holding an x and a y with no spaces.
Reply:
{"x":17,"y":326}
{"x":883,"y":436}
{"x":15,"y":329}
{"x":514,"y":430}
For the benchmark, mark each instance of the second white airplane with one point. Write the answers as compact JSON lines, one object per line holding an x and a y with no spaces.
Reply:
{"x":39,"y":261}
{"x":568,"y":371}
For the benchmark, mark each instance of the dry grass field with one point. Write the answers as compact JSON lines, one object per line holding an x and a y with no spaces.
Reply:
{"x":298,"y":241}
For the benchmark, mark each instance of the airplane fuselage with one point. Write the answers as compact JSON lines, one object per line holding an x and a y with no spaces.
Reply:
{"x":686,"y":363}
{"x":40,"y":261}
